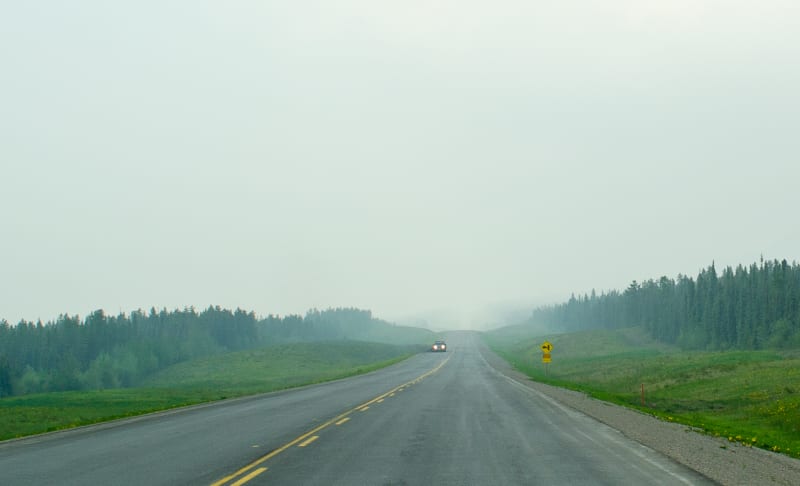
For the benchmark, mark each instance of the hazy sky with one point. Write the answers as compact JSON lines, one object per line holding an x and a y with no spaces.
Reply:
{"x":402,"y":156}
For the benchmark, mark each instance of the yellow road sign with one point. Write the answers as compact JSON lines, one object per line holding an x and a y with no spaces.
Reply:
{"x":547,"y":347}
{"x":546,"y":358}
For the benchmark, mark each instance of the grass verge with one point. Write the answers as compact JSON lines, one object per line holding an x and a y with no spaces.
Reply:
{"x":750,"y":397}
{"x":204,"y":380}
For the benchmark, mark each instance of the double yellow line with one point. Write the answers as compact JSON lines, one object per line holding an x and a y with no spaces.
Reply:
{"x":339,"y":419}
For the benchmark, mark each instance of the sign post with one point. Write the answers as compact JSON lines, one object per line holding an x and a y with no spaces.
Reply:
{"x":546,"y":348}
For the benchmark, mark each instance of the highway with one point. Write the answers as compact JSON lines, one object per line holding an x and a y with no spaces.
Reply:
{"x":437,"y":418}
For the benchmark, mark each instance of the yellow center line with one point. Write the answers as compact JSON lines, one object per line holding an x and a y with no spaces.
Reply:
{"x":308,"y":441}
{"x":319,"y":428}
{"x":343,"y":421}
{"x":249,"y":476}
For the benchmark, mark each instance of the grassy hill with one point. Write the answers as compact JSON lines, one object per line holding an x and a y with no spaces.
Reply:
{"x":104,"y":351}
{"x":201,"y":380}
{"x":751,"y":397}
{"x":277,"y":367}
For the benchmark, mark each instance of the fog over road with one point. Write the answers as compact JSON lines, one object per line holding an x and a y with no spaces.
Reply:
{"x":446,"y":418}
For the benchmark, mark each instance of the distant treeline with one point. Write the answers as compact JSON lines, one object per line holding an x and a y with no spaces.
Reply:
{"x":744,"y":308}
{"x":104,"y":351}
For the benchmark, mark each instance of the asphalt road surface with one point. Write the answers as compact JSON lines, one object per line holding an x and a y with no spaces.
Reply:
{"x":437,"y":418}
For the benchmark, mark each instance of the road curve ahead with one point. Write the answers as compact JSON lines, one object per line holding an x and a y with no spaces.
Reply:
{"x":438,"y":418}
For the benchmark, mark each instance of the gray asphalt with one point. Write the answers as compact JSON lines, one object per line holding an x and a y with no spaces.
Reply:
{"x":446,"y":418}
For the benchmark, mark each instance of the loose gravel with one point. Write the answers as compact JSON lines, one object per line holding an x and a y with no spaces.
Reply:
{"x":718,"y":459}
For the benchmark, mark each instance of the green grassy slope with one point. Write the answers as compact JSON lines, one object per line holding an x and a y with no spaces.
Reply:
{"x":277,"y":367}
{"x":202,"y":380}
{"x":751,"y":397}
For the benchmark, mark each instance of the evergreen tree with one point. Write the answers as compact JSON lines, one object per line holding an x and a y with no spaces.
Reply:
{"x":5,"y":377}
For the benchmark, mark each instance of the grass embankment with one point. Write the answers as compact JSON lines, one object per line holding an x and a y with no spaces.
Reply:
{"x":751,"y":397}
{"x":203,"y":380}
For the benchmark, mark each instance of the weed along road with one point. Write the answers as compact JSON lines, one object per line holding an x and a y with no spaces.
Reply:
{"x":437,"y":418}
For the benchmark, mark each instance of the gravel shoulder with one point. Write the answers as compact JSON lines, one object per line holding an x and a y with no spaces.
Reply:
{"x":714,"y":457}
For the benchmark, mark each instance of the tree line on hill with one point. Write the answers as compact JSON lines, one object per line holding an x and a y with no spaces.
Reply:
{"x":102,"y":351}
{"x":751,"y":307}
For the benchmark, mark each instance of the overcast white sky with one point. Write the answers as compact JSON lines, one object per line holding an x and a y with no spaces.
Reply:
{"x":402,"y":156}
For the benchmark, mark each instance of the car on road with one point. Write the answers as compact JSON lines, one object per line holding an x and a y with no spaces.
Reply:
{"x":439,"y":347}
